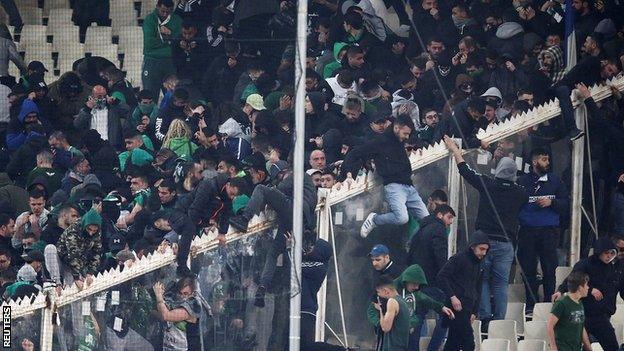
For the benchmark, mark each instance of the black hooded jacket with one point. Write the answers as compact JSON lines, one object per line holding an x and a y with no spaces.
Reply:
{"x":429,"y":247}
{"x":606,"y":277}
{"x":461,"y":275}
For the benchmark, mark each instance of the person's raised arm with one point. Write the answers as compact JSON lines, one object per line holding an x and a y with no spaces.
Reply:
{"x":473,"y":178}
{"x":356,"y":157}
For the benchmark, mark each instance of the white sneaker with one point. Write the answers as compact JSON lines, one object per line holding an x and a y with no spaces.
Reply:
{"x":368,"y":225}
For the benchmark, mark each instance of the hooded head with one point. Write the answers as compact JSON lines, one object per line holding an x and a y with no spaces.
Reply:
{"x":231,"y":128}
{"x":605,"y":250}
{"x":552,"y":59}
{"x":28,"y":108}
{"x":506,"y":169}
{"x":90,"y":220}
{"x":27,"y":274}
{"x":478,"y":243}
{"x":508,"y":30}
{"x":338,"y":47}
{"x":413,"y":278}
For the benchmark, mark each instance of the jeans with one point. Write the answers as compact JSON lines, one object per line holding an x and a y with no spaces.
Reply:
{"x":533,"y":244}
{"x":567,"y":111}
{"x":496,"y":268}
{"x":403,"y":201}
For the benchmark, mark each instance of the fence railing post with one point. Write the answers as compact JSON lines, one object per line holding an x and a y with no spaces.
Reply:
{"x":47,"y":328}
{"x":576,"y":195}
{"x":454,"y":185}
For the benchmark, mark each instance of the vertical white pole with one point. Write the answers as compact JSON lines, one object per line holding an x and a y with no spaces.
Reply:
{"x":295,"y":300}
{"x":323,"y":233}
{"x":454,"y":185}
{"x":578,"y":152}
{"x":47,"y":329}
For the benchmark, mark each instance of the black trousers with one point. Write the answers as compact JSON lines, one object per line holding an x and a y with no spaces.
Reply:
{"x":602,"y":330}
{"x":282,"y":205}
{"x":308,"y":326}
{"x":460,"y":335}
{"x":538,"y":243}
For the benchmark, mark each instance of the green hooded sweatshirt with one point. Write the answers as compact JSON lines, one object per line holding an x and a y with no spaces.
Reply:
{"x":330,"y":68}
{"x":415,"y":300}
{"x":182,"y":146}
{"x":138,"y":157}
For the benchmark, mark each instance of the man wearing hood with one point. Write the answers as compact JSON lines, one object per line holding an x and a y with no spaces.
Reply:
{"x":500,"y":201}
{"x":80,"y":248}
{"x":410,"y":287}
{"x":24,"y":159}
{"x":508,"y":40}
{"x":606,"y":280}
{"x":18,"y":129}
{"x":461,"y":280}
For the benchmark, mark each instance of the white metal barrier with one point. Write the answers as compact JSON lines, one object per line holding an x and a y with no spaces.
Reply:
{"x":361,"y":184}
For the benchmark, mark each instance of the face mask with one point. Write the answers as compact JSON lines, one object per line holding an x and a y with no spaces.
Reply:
{"x":100,"y":103}
{"x":146,"y":108}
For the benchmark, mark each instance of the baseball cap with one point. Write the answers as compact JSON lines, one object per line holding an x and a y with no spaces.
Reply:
{"x":116,"y":242}
{"x":256,"y":101}
{"x":255,"y":161}
{"x":311,"y":171}
{"x":379,"y":250}
{"x":33,"y":256}
{"x":37,"y":66}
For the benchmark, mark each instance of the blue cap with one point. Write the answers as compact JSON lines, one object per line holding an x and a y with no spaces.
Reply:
{"x":379,"y":250}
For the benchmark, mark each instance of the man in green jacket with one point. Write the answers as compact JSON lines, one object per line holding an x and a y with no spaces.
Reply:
{"x":408,"y":286}
{"x":160,"y":28}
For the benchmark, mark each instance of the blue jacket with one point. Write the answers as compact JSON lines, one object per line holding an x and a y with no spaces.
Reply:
{"x":549,"y":185}
{"x":16,"y":134}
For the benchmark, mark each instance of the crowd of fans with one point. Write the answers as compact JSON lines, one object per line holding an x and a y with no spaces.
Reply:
{"x":97,"y":173}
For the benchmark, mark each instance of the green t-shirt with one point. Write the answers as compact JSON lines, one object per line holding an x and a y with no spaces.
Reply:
{"x":569,"y":328}
{"x":397,"y":339}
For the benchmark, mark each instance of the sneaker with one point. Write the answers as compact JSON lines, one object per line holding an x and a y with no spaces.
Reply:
{"x":239,"y":223}
{"x":575,"y":134}
{"x":368,"y":225}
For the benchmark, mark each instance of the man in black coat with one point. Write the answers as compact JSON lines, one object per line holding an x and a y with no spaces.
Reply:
{"x":500,"y":201}
{"x":461,"y":279}
{"x":606,"y":275}
{"x":393,"y":165}
{"x":429,"y":246}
